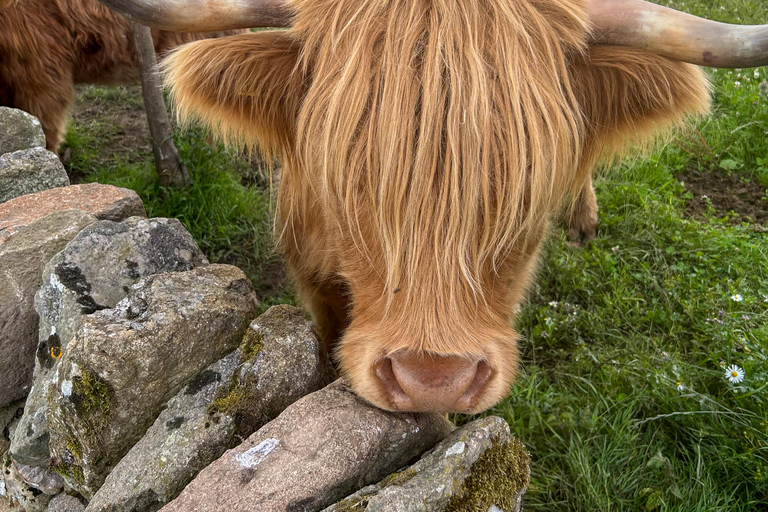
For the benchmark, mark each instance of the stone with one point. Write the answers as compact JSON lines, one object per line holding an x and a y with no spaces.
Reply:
{"x":65,"y":503}
{"x":19,"y":494}
{"x":280,"y":360}
{"x":19,"y":130}
{"x":94,"y":271}
{"x":29,"y":171}
{"x":21,"y":266}
{"x":8,"y":414}
{"x":479,"y":467}
{"x":317,"y":451}
{"x":105,"y":202}
{"x":124,"y":364}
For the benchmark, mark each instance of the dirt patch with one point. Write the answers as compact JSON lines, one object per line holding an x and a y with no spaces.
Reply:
{"x":726,"y":194}
{"x":112,"y":123}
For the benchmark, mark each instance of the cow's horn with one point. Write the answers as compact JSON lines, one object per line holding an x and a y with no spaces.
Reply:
{"x":678,"y":35}
{"x":203,"y":15}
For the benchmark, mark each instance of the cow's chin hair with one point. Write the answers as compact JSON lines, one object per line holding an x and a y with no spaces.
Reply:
{"x":358,"y":351}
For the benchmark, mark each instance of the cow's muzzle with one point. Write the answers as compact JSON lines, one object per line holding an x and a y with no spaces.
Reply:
{"x":426,"y":382}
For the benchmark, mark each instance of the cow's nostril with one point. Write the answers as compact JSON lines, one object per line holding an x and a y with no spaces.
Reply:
{"x":482,"y":377}
{"x":432,"y":383}
{"x":387,"y":377}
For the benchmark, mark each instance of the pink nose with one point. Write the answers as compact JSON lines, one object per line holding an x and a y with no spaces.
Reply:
{"x":424,"y":382}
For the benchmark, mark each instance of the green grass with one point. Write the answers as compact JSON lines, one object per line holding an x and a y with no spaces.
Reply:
{"x":622,"y":398}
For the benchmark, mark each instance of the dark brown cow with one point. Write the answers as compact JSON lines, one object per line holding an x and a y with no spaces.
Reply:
{"x":48,"y":46}
{"x":426,"y":146}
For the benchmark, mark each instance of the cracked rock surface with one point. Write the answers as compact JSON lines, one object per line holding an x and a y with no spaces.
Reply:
{"x":28,"y":171}
{"x":22,"y":259}
{"x":280,"y":359}
{"x":93,"y":272}
{"x":124,"y":364}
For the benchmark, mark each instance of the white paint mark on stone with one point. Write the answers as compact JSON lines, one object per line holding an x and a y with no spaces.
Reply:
{"x":53,"y":330}
{"x":56,"y":283}
{"x":455,"y":449}
{"x":440,"y":489}
{"x":2,"y":488}
{"x":254,"y":456}
{"x":66,"y":388}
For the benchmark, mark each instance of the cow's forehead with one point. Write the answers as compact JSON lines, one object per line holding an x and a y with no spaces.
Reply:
{"x":443,"y":136}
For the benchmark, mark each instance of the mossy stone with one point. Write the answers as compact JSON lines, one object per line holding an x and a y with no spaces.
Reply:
{"x":497,"y":477}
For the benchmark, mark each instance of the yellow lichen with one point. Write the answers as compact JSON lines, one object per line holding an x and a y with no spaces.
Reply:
{"x":398,"y":478}
{"x":252,"y":344}
{"x":351,"y":505}
{"x":496,"y":478}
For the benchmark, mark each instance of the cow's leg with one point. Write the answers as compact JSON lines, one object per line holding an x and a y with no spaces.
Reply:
{"x":46,"y":94}
{"x":582,"y":216}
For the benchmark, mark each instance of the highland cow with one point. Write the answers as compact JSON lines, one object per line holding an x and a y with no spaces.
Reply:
{"x":48,"y":46}
{"x":426,"y":147}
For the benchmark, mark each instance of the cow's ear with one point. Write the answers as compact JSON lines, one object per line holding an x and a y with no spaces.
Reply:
{"x":247,"y":88}
{"x":628,"y":95}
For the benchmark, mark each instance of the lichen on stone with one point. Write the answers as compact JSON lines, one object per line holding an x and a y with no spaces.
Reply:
{"x":252,"y":344}
{"x":496,"y":478}
{"x":352,"y":505}
{"x":398,"y":478}
{"x":238,"y":401}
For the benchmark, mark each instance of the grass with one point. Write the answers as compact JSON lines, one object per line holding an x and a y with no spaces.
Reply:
{"x":622,"y":398}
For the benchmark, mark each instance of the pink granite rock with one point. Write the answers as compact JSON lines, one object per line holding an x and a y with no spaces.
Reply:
{"x":105,"y":202}
{"x":316,"y":452}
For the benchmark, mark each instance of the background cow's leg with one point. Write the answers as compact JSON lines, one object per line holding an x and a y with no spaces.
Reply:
{"x":582,"y":216}
{"x":49,"y":98}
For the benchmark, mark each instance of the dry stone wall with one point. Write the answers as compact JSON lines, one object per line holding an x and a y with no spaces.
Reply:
{"x":135,"y":376}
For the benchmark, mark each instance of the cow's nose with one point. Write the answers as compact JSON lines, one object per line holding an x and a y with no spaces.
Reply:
{"x":419,"y":382}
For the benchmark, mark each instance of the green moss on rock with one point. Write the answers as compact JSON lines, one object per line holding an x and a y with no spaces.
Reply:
{"x":252,"y":344}
{"x":497,"y":477}
{"x":74,"y":446}
{"x":398,"y":478}
{"x":238,"y":401}
{"x":70,"y":472}
{"x":92,"y":398}
{"x":352,"y":505}
{"x":91,"y":394}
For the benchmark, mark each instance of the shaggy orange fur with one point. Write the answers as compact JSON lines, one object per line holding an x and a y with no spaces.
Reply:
{"x":426,"y":145}
{"x":47,"y":46}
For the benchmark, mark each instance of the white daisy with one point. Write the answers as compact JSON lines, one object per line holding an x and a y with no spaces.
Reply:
{"x":734,"y":374}
{"x":679,"y":386}
{"x":737,"y":298}
{"x":736,"y":84}
{"x":553,"y":303}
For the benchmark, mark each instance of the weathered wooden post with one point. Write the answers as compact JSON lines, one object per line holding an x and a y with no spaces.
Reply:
{"x":172,"y":172}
